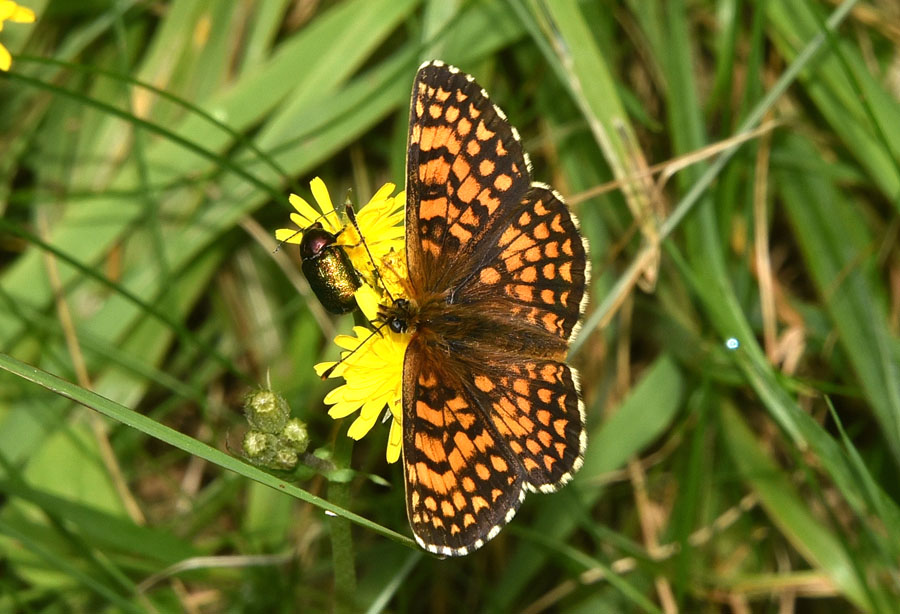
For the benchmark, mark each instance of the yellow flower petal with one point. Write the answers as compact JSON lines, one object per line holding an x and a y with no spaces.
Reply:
{"x":349,"y":342}
{"x":371,"y":410}
{"x":368,"y":300}
{"x":357,"y":393}
{"x":306,"y":214}
{"x":360,"y":427}
{"x":330,"y":219}
{"x":383,"y":192}
{"x":395,"y":441}
{"x":322,"y":367}
{"x":23,"y":15}
{"x":340,"y":396}
{"x":286,"y":235}
{"x":342,"y":410}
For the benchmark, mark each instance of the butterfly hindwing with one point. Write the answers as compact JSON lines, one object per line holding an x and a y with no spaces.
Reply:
{"x":533,"y":268}
{"x":473,"y":442}
{"x":535,"y":407}
{"x":462,"y":485}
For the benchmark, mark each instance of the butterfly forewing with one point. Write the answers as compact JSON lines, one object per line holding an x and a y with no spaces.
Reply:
{"x":464,"y":162}
{"x":497,"y":277}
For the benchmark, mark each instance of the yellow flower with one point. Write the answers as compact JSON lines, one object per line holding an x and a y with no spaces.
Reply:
{"x":380,"y":220}
{"x":10,"y":11}
{"x":371,"y":362}
{"x":373,"y":375}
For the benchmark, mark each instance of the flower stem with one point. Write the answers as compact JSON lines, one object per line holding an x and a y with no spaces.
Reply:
{"x":341,"y":538}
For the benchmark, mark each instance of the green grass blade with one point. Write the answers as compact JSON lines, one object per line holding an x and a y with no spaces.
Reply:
{"x":788,"y":511}
{"x":190,"y":445}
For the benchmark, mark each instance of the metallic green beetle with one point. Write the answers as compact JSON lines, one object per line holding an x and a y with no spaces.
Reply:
{"x":328,"y":270}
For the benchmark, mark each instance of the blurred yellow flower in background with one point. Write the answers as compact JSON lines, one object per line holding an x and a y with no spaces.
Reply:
{"x":10,"y":11}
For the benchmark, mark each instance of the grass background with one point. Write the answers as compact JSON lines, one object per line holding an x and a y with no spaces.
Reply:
{"x":146,"y":154}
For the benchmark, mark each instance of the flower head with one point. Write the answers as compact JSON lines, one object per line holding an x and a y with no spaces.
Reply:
{"x":10,"y":11}
{"x":380,"y":221}
{"x":372,"y":368}
{"x":371,"y":362}
{"x":275,"y":440}
{"x":266,"y":411}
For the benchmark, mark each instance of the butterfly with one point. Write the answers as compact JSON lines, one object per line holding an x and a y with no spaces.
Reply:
{"x":497,"y":275}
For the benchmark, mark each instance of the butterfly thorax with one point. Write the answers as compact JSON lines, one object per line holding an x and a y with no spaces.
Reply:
{"x":411,"y":315}
{"x":471,"y":331}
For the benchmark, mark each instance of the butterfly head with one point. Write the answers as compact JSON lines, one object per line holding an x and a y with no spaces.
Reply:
{"x":399,"y":315}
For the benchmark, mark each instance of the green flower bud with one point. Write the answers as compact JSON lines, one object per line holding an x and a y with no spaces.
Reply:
{"x":294,"y":434}
{"x":260,"y":447}
{"x":285,"y":459}
{"x":266,"y":411}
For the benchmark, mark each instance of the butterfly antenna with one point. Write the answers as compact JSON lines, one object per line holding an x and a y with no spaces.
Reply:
{"x":327,"y":372}
{"x":351,"y":215}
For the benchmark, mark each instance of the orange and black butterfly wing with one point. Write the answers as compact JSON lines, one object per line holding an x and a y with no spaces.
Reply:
{"x":534,"y":406}
{"x":462,"y":484}
{"x":528,"y":289}
{"x":479,"y":433}
{"x":465,"y":166}
{"x":532,"y":270}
